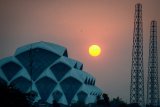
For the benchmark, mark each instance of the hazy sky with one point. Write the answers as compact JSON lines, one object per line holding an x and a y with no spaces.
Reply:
{"x":76,"y":24}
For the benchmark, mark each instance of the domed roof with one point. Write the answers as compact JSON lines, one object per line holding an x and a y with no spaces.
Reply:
{"x":46,"y":69}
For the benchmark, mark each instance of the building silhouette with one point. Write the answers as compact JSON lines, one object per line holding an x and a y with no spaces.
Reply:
{"x":45,"y":69}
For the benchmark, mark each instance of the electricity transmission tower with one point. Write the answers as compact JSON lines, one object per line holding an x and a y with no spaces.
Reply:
{"x":137,"y":72}
{"x":152,"y":84}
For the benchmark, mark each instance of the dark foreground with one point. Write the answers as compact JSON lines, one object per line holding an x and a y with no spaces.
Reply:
{"x":12,"y":97}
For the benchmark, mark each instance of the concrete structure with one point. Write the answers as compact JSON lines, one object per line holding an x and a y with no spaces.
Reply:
{"x":46,"y":69}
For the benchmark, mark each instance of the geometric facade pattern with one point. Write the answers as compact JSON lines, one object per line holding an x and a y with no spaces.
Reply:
{"x":45,"y":69}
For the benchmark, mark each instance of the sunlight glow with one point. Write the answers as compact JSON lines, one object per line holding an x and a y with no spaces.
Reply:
{"x":94,"y":50}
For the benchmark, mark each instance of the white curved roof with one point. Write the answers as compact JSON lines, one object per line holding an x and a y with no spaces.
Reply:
{"x":50,"y":74}
{"x":57,"y":49}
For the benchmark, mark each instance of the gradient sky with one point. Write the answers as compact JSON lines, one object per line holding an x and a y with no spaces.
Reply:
{"x":77,"y":24}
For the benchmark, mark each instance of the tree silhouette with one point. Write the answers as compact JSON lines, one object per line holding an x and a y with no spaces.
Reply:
{"x":55,"y":104}
{"x":31,"y":96}
{"x":134,"y":105}
{"x":11,"y":97}
{"x":106,"y":99}
{"x":78,"y":104}
{"x":117,"y":102}
{"x":99,"y":101}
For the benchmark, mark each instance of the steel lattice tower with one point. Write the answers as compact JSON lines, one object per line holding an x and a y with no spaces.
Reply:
{"x":137,"y":73}
{"x":152,"y":85}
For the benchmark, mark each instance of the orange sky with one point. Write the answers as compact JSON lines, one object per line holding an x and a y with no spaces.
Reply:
{"x":76,"y":24}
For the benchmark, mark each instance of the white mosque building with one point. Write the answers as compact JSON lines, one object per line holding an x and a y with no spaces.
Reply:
{"x":45,"y":69}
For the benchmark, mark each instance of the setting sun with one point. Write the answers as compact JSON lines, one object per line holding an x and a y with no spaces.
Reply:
{"x":94,"y":50}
